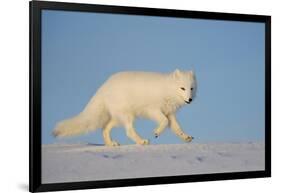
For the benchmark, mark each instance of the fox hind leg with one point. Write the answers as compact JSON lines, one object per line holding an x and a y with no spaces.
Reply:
{"x":132,"y":134}
{"x":127,"y":121}
{"x":106,"y":134}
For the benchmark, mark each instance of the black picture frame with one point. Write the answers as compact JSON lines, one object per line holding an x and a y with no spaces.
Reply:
{"x":36,"y":7}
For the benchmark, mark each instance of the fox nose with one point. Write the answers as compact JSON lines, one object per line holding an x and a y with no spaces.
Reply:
{"x":190,"y":99}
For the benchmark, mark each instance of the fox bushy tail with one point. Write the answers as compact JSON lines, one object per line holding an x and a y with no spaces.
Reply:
{"x":94,"y":116}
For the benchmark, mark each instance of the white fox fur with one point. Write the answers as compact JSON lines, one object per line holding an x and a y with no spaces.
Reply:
{"x":128,"y":95}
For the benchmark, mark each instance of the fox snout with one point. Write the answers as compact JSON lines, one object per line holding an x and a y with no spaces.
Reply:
{"x":189,"y":101}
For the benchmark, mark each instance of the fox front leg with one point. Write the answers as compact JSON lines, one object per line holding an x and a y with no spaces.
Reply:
{"x":160,"y":119}
{"x":177,"y":129}
{"x":161,"y":127}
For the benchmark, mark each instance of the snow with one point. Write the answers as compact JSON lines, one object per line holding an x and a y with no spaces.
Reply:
{"x":88,"y":162}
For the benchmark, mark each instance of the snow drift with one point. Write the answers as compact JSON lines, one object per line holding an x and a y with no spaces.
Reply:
{"x":86,"y":162}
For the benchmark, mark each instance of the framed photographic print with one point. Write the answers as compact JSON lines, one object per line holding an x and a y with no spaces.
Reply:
{"x":125,"y":96}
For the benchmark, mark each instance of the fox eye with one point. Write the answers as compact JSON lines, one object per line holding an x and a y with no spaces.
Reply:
{"x":191,"y":88}
{"x":182,"y":88}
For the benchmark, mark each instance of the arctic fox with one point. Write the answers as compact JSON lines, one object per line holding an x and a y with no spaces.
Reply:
{"x":128,"y":95}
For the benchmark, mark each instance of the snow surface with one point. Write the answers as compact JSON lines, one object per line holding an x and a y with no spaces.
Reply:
{"x":89,"y":162}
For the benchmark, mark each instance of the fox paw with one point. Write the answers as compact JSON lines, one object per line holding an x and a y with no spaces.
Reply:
{"x":113,"y":143}
{"x":186,"y":138}
{"x":143,"y":142}
{"x":156,"y":135}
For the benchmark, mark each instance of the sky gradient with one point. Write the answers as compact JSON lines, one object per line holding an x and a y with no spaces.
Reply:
{"x":81,"y":50}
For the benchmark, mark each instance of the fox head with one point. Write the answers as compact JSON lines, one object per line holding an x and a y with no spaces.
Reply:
{"x":184,"y":85}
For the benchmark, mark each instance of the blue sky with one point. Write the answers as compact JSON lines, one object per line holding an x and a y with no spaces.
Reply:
{"x":81,"y":50}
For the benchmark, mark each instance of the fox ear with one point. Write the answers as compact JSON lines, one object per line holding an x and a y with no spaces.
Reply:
{"x":176,"y":74}
{"x":191,"y":72}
